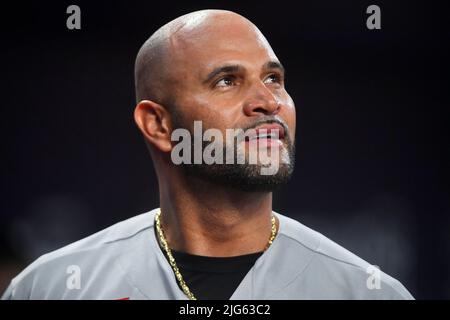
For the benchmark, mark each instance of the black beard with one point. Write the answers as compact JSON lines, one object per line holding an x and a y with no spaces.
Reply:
{"x":244,"y":177}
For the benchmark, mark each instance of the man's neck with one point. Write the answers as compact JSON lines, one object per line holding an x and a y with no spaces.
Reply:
{"x":211,"y":220}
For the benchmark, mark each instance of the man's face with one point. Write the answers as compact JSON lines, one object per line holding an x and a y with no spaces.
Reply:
{"x":226,"y":75}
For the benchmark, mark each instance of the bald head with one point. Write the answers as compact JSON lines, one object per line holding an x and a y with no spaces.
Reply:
{"x":160,"y":56}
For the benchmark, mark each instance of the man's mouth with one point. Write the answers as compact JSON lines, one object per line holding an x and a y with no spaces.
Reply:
{"x":268,"y":134}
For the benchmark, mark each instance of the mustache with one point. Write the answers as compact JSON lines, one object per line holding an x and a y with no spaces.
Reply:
{"x":268,"y":120}
{"x":260,"y":121}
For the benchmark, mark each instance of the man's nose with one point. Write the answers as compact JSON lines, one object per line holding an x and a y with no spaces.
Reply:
{"x":261,"y":101}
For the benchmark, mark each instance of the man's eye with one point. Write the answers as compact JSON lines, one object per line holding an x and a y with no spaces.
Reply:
{"x":225,"y":82}
{"x":273,"y":78}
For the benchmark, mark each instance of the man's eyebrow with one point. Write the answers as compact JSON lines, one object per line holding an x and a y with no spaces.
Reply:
{"x":274,"y":65}
{"x":229,"y":68}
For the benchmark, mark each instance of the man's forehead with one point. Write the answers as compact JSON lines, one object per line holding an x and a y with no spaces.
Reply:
{"x":212,"y":46}
{"x":222,"y":31}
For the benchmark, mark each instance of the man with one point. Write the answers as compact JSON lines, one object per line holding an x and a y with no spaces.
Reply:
{"x":215,"y":235}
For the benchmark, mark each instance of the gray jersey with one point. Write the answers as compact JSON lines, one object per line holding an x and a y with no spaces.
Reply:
{"x":125,"y":261}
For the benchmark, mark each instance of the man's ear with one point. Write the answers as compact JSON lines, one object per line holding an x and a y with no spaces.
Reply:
{"x":154,"y":122}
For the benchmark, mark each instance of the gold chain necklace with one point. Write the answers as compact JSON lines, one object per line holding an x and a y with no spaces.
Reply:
{"x":165,"y":245}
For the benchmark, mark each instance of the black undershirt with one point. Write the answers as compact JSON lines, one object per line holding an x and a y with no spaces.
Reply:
{"x":213,"y":278}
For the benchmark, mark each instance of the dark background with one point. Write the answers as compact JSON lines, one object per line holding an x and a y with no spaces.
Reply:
{"x":372,"y":136}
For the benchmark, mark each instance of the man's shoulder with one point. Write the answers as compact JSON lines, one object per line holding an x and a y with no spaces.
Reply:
{"x":119,"y":233}
{"x":332,"y":266}
{"x":95,"y":252}
{"x":318,"y":243}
